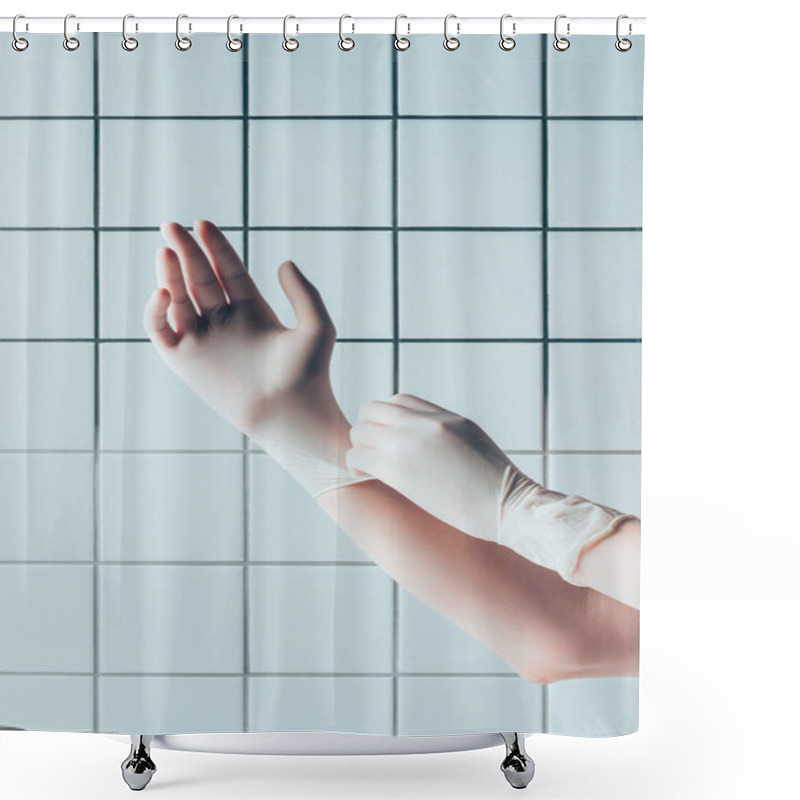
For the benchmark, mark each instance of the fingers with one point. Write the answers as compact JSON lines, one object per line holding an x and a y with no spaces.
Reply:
{"x":198,"y":274}
{"x":306,"y":300}
{"x":170,"y":276}
{"x":155,"y":320}
{"x":369,"y":434}
{"x":385,"y":413}
{"x":414,"y":402}
{"x":230,"y":270}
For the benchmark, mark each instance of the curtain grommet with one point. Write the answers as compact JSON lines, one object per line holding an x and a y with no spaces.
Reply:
{"x":183,"y":43}
{"x":623,"y":45}
{"x":129,"y":43}
{"x":401,"y":43}
{"x":289,"y":44}
{"x":19,"y":43}
{"x":70,"y":43}
{"x":507,"y":42}
{"x":451,"y":43}
{"x":233,"y":44}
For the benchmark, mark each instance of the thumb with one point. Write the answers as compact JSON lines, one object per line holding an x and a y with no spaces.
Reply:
{"x":309,"y":309}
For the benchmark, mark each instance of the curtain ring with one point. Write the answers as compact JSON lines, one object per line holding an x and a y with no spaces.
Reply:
{"x":345,"y":42}
{"x":181,"y":42}
{"x":507,"y":42}
{"x":289,"y":44}
{"x":233,"y":44}
{"x":623,"y":45}
{"x":451,"y":42}
{"x":561,"y":43}
{"x":401,"y":42}
{"x":70,"y":42}
{"x":128,"y":42}
{"x":17,"y":42}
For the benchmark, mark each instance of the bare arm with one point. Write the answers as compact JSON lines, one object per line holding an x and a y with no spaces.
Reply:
{"x":612,"y":565}
{"x":544,"y":628}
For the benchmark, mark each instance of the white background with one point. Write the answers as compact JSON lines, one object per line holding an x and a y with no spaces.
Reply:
{"x":720,"y":597}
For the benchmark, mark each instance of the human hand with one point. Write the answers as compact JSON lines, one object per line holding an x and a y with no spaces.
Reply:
{"x":443,"y":462}
{"x":452,"y":469}
{"x":213,"y":328}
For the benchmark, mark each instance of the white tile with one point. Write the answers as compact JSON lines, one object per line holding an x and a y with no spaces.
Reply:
{"x":595,"y":396}
{"x":595,"y":282}
{"x":360,"y":372}
{"x":449,"y":705}
{"x":470,"y":284}
{"x":171,"y":619}
{"x":498,"y":385}
{"x":164,"y":705}
{"x":451,"y":172}
{"x":46,"y":618}
{"x":46,"y":284}
{"x":477,"y":78}
{"x":429,"y":642}
{"x":320,"y":619}
{"x":47,"y":168}
{"x":153,"y":171}
{"x":319,"y":78}
{"x":593,"y":78}
{"x":336,"y":172}
{"x":171,"y":507}
{"x":286,"y":524}
{"x":145,"y":406}
{"x":46,"y":506}
{"x":342,"y":704}
{"x":594,"y":707}
{"x":611,"y":480}
{"x":595,"y":173}
{"x":351,"y":269}
{"x":157,"y":79}
{"x":47,"y":702}
{"x":46,"y":395}
{"x":46,"y":79}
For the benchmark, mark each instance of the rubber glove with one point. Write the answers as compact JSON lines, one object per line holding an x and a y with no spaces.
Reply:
{"x":451,"y":468}
{"x":213,"y":328}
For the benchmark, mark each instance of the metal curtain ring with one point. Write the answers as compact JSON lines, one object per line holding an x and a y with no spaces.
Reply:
{"x":345,"y":42}
{"x":182,"y":42}
{"x":623,"y":45}
{"x":289,"y":44}
{"x":233,"y":44}
{"x":17,"y":42}
{"x":70,"y":42}
{"x":507,"y":42}
{"x":400,"y":42}
{"x":451,"y":42}
{"x":561,"y":43}
{"x":128,"y":42}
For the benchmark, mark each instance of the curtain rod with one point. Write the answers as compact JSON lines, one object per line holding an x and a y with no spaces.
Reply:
{"x":299,"y":25}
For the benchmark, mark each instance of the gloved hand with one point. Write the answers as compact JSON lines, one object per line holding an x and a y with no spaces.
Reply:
{"x":451,"y":468}
{"x":214,"y":329}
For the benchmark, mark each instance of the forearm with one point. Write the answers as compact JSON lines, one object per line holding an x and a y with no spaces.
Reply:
{"x":544,"y":628}
{"x":612,"y":565}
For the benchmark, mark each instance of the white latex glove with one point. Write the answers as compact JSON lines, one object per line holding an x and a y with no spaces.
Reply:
{"x":451,"y":468}
{"x":215,"y":330}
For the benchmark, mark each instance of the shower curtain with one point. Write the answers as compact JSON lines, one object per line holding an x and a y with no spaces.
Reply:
{"x":320,"y":384}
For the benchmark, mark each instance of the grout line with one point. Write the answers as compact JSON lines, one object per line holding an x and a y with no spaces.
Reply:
{"x":395,"y":366}
{"x":271,"y":674}
{"x":319,"y":117}
{"x":339,"y":228}
{"x":96,"y":389}
{"x":245,"y":460}
{"x":192,"y":563}
{"x":351,"y":340}
{"x":262,"y":454}
{"x":545,"y":306}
